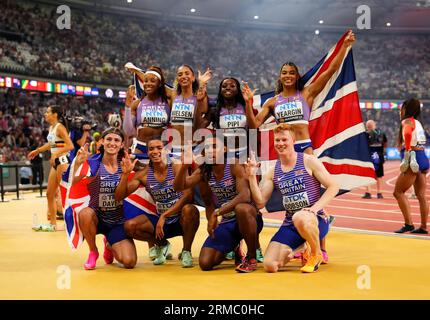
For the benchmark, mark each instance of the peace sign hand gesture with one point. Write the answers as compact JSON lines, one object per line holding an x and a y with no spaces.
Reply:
{"x":251,"y":166}
{"x":83,"y":154}
{"x":127,"y":165}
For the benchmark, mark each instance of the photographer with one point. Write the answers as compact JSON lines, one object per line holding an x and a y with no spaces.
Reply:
{"x":79,"y":133}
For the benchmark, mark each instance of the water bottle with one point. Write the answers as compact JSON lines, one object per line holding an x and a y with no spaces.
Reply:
{"x":35,"y":220}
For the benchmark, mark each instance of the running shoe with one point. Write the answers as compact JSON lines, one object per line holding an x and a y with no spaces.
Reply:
{"x":169,"y":255}
{"x":405,"y":228}
{"x":367,"y":195}
{"x":420,"y":231}
{"x":247,"y":265}
{"x":259,"y":255}
{"x":186,"y":259}
{"x":229,"y":256}
{"x":91,"y":262}
{"x":152,"y":253}
{"x":379,"y":195}
{"x":324,"y":256}
{"x":107,"y":254}
{"x":36,"y":227}
{"x":304,"y":256}
{"x":161,"y":253}
{"x":298,"y":255}
{"x":413,"y":164}
{"x":45,"y":227}
{"x":404,"y":165}
{"x":239,"y":256}
{"x":312,"y":264}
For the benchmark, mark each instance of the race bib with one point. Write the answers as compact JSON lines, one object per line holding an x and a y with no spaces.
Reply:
{"x":163,"y":207}
{"x":108,"y":202}
{"x":232,"y":121}
{"x":295,"y":202}
{"x":289,"y":111}
{"x":182,"y":112}
{"x":154,"y":116}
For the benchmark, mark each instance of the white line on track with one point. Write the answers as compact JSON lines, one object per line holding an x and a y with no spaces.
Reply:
{"x":370,"y":219}
{"x":360,"y":231}
{"x":373,"y":203}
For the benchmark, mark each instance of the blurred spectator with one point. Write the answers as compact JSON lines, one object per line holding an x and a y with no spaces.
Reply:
{"x":377,"y":143}
{"x":96,"y":143}
{"x":39,"y":48}
{"x":25,"y":174}
{"x":37,"y":164}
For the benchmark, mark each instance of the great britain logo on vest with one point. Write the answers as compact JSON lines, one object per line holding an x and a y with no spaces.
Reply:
{"x":336,"y":127}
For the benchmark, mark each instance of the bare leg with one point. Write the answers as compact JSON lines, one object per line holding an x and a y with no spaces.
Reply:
{"x":276,"y":256}
{"x":403,"y":183}
{"x":209,"y":258}
{"x":125,"y":252}
{"x":190,"y":220}
{"x":88,"y":223}
{"x":140,"y":228}
{"x":247,"y":222}
{"x":307,"y":225}
{"x":378,"y":185}
{"x":51,"y":191}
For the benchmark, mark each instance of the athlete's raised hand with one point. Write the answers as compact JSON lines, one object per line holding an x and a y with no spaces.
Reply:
{"x":130,"y":96}
{"x":350,"y":39}
{"x":83,"y":154}
{"x":247,"y":93}
{"x":251,"y":166}
{"x":205,"y":77}
{"x":126,"y":164}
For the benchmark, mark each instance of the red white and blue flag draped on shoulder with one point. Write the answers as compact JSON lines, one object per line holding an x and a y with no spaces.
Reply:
{"x":76,"y":197}
{"x":336,"y":126}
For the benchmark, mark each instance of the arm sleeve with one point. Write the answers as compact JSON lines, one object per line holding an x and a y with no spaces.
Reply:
{"x":128,"y":123}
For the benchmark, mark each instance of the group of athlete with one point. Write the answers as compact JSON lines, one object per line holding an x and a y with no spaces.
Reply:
{"x":206,"y":165}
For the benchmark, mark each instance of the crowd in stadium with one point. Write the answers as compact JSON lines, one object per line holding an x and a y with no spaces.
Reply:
{"x":98,"y":45}
{"x":22,"y":125}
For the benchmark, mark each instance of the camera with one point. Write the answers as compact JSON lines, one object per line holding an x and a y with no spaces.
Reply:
{"x":114,"y":120}
{"x":77,"y":122}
